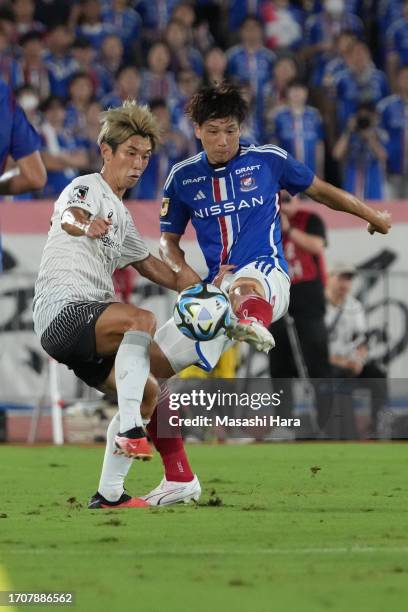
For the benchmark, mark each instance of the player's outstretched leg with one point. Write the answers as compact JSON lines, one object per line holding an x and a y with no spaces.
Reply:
{"x":253,"y":314}
{"x":115,"y":468}
{"x":127,"y":331}
{"x":179,"y":483}
{"x":110,"y":493}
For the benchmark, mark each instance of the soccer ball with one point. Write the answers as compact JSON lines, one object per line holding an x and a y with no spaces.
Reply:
{"x":202,"y":312}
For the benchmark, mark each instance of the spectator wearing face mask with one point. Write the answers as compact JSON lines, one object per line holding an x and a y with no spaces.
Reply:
{"x":29,"y":100}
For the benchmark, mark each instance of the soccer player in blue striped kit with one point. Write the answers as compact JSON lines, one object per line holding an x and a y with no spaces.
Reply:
{"x":230,"y":193}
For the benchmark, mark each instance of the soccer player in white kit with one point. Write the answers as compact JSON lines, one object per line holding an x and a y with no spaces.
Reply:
{"x":75,"y":312}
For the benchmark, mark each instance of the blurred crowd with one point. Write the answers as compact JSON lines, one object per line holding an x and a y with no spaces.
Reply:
{"x":325,"y":79}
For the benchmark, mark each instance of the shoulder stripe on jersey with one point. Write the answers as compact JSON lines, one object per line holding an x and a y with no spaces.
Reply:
{"x":267,"y":149}
{"x":179,"y":165}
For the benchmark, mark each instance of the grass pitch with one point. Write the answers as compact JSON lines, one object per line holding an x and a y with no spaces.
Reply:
{"x":284,"y":527}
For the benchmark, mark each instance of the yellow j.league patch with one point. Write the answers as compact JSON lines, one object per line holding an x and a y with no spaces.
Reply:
{"x":164,"y":207}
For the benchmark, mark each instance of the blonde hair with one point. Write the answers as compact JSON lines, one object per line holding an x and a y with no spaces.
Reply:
{"x":130,"y":119}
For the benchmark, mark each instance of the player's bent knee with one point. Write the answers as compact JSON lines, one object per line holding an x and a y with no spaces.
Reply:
{"x":143,"y":320}
{"x":246,"y":286}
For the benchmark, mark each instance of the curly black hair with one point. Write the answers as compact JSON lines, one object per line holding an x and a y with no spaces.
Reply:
{"x":217,"y":101}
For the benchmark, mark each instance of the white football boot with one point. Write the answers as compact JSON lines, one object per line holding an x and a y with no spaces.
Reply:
{"x":254,"y":333}
{"x":169,"y":492}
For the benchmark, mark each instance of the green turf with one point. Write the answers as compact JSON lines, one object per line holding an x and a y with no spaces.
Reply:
{"x":284,"y":537}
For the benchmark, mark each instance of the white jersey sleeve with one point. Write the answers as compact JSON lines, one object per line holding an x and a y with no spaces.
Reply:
{"x":134,"y":248}
{"x":83,"y":192}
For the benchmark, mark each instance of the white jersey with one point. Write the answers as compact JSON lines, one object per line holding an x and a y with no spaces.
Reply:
{"x":78,"y":268}
{"x":346,"y":325}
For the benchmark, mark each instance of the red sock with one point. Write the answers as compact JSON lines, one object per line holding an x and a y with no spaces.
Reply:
{"x":171,"y":449}
{"x":257,"y":307}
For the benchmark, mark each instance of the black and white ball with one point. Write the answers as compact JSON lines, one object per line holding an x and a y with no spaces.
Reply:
{"x":202,"y":312}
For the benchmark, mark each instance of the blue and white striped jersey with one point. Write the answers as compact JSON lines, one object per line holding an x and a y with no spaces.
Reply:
{"x":234,"y":209}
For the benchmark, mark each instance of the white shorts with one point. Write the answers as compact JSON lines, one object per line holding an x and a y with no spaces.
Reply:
{"x":275,"y":283}
{"x":182,"y":352}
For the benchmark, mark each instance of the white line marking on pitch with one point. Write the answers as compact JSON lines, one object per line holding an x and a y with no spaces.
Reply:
{"x":201,"y":552}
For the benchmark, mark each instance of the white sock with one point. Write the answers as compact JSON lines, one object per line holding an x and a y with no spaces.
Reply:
{"x":115,"y":467}
{"x":132,"y":365}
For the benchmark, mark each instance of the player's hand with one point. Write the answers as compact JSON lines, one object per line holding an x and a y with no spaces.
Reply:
{"x":382,"y":224}
{"x":98,"y":227}
{"x":226,"y":269}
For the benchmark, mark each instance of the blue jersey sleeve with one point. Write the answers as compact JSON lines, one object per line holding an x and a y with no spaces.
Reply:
{"x":174,"y":213}
{"x":24,"y":138}
{"x":295,"y":177}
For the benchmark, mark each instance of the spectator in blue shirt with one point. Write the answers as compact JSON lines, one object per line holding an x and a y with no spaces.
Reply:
{"x":215,"y":66}
{"x":91,"y":25}
{"x":321,"y":31}
{"x":172,"y":149}
{"x":360,"y":83}
{"x":342,"y":57}
{"x":30,"y":68}
{"x":8,"y":62}
{"x":127,"y":24}
{"x":299,"y":128}
{"x":23,"y":11}
{"x":157,"y":80}
{"x":111,"y":58}
{"x":362,"y":150}
{"x":128,"y":85}
{"x":60,"y":63}
{"x":238,"y":10}
{"x":62,"y":156}
{"x":393,"y":112}
{"x":397,"y":46}
{"x":155,"y":16}
{"x":251,"y":61}
{"x":81,"y":92}
{"x":188,"y":83}
{"x":182,"y":54}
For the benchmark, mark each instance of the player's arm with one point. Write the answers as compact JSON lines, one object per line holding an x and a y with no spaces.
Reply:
{"x":338,"y":199}
{"x":173,"y":255}
{"x":29,"y":174}
{"x":78,"y":222}
{"x":310,"y":242}
{"x":157,"y":272}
